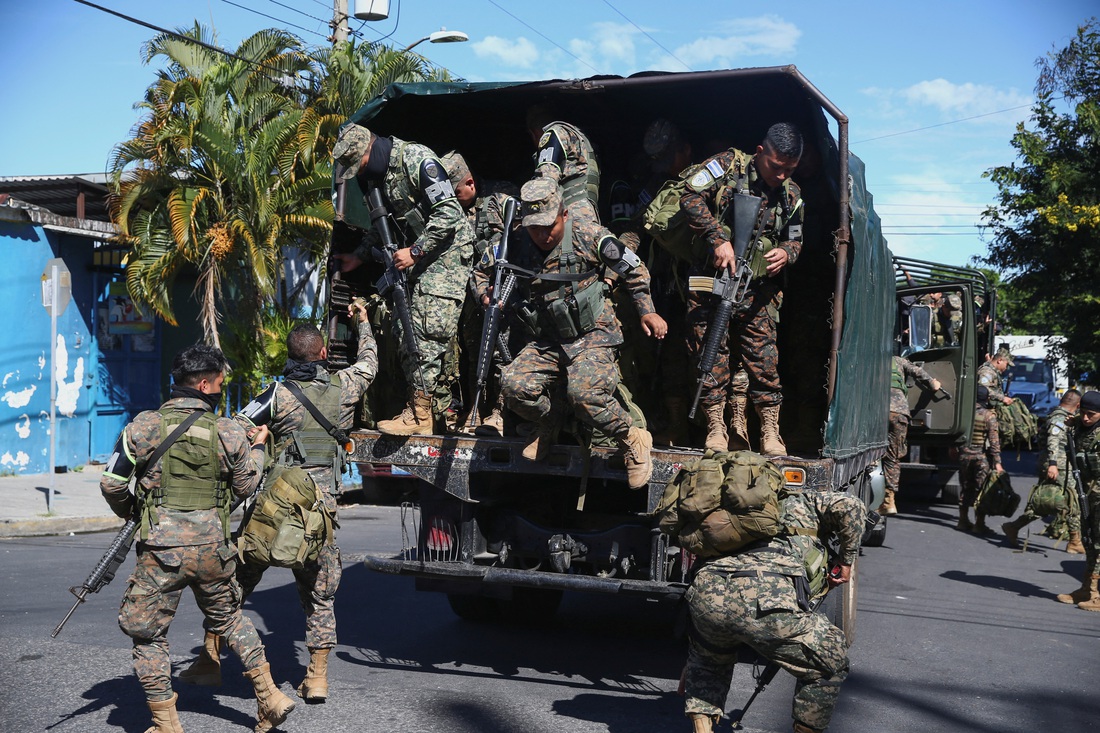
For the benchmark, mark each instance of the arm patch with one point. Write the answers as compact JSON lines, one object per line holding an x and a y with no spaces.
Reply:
{"x":121,"y":463}
{"x":618,"y":256}
{"x":259,"y":410}
{"x":434,"y":183}
{"x":550,"y":151}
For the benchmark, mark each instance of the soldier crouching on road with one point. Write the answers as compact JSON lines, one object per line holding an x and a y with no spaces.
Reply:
{"x":577,"y":332}
{"x":183,"y":496}
{"x":758,"y":596}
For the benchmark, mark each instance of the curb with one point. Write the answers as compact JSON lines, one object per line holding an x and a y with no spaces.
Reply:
{"x":57,"y":526}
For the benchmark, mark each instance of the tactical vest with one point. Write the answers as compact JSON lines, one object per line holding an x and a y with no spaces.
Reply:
{"x":310,"y":446}
{"x":191,"y":477}
{"x":1088,"y":448}
{"x":416,"y":213}
{"x":580,"y":187}
{"x":897,"y":379}
{"x":978,"y":436}
{"x":576,"y":304}
{"x":815,"y":559}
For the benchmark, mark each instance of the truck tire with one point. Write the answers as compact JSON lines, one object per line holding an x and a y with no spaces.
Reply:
{"x":475,"y":608}
{"x":877,"y":535}
{"x":840,"y":605}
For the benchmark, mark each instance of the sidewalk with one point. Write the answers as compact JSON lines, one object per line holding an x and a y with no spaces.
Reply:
{"x":77,"y":504}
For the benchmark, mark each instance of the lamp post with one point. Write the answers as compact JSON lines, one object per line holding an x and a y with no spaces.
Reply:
{"x":440,"y":36}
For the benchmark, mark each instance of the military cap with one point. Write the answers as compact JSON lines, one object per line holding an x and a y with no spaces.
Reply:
{"x":1090,"y":401}
{"x":541,"y":202}
{"x":350,"y":147}
{"x":1003,"y":353}
{"x":456,"y":167}
{"x":983,"y":394}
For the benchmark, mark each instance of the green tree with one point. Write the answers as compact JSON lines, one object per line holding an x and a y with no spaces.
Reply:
{"x":1045,"y":223}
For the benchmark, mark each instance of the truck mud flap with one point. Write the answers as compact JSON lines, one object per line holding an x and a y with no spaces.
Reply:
{"x":521,"y":578}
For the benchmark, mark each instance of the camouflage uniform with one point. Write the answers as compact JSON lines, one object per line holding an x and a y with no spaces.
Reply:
{"x":903,"y":369}
{"x":587,"y":363}
{"x":437,"y":282}
{"x":990,"y":378}
{"x":751,"y":598}
{"x":565,"y":156}
{"x":978,"y":457}
{"x":1052,"y":452}
{"x":283,"y":413}
{"x":753,"y":325}
{"x":1087,"y":442}
{"x":180,"y":549}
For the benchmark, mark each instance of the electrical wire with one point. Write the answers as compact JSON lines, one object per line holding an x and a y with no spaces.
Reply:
{"x":272,"y":17}
{"x":542,"y":35}
{"x":646,"y":34}
{"x":941,"y":124}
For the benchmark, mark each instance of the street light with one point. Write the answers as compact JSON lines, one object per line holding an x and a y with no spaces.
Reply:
{"x":440,"y":36}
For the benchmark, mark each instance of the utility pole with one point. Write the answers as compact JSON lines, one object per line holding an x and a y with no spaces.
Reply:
{"x":339,"y":22}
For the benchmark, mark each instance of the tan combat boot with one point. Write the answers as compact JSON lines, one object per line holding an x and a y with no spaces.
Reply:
{"x":415,"y":419}
{"x":1012,"y":530}
{"x":964,"y":524}
{"x":771,"y":444}
{"x":717,"y":437}
{"x":702,"y":723}
{"x":739,"y":430}
{"x":206,"y":670}
{"x":272,"y":706}
{"x":542,"y":440}
{"x":165,"y":719}
{"x":314,"y":687}
{"x":637,"y":448}
{"x":493,"y":425}
{"x":1075,"y":547}
{"x":888,"y":506}
{"x":1086,"y":592}
{"x":800,"y":728}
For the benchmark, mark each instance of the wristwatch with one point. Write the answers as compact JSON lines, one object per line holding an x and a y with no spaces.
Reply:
{"x":416,"y":251}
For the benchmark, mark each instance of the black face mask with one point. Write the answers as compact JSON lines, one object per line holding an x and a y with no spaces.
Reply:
{"x":212,"y":399}
{"x":379,"y":159}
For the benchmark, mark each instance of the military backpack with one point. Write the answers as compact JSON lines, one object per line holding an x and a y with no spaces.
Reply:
{"x":289,"y":523}
{"x":1017,"y":425}
{"x":1047,"y":498}
{"x":997,"y":498}
{"x":722,"y":502}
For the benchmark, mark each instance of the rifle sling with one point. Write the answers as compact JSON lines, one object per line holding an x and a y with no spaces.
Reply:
{"x":337,"y":434}
{"x":172,"y":438}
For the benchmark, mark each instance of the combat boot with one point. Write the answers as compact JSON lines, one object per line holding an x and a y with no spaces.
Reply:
{"x":738,"y":430}
{"x":272,"y":706}
{"x":492,"y":426}
{"x":771,"y":444}
{"x":888,"y":506}
{"x":314,"y":687}
{"x":964,"y":524}
{"x":206,"y":670}
{"x":415,"y":419}
{"x":637,"y":448}
{"x":1012,"y":530}
{"x":717,"y":438}
{"x":1086,"y":592}
{"x":979,"y":525}
{"x":165,"y":719}
{"x":801,"y":728}
{"x":702,"y":723}
{"x":542,"y":440}
{"x":1075,"y":547}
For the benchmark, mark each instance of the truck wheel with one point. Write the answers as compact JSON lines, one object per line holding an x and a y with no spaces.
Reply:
{"x":877,"y":535}
{"x":950,"y":493}
{"x":478,"y":609}
{"x":840,"y":605}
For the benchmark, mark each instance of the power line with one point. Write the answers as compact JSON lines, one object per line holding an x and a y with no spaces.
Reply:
{"x":655,"y":41}
{"x":272,"y":17}
{"x":542,"y":35}
{"x":941,"y":124}
{"x":301,"y":12}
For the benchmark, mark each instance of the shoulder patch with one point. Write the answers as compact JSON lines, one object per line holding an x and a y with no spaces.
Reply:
{"x":431,"y":169}
{"x":544,"y":139}
{"x":715,"y":168}
{"x":702,"y":179}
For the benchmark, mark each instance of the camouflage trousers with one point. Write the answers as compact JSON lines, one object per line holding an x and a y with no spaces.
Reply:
{"x":316,"y":583}
{"x":974,"y":469}
{"x":762,"y":613}
{"x":151,"y":600}
{"x":896,"y":448}
{"x":1092,"y":546}
{"x":435,"y":323}
{"x":590,"y":381}
{"x":751,"y":338}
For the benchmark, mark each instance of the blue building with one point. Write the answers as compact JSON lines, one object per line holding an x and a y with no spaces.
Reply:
{"x":108,"y":357}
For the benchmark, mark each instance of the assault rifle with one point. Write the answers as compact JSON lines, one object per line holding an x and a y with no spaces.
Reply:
{"x":491,"y":337}
{"x":394,"y":283}
{"x":1082,"y":497}
{"x":730,"y":287}
{"x":104,"y":570}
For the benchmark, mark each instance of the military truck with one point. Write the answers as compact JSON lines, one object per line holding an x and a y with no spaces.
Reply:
{"x":502,"y":535}
{"x":945,"y":317}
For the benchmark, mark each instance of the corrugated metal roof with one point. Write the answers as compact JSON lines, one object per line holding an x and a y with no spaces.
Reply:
{"x":15,"y":210}
{"x":63,"y":195}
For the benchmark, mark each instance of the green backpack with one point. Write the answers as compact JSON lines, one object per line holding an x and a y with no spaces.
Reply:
{"x":997,"y":499}
{"x":1047,"y":498}
{"x":721,"y":502}
{"x":1018,"y":427}
{"x":289,"y":523}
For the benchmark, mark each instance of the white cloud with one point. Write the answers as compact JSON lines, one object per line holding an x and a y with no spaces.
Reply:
{"x":520,"y":52}
{"x":963,"y":99}
{"x":767,"y":35}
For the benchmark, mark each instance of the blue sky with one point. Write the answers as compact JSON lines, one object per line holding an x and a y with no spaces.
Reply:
{"x":934,"y":90}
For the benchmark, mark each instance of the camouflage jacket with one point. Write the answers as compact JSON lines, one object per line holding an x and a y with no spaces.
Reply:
{"x":522,"y":253}
{"x":486,"y":219}
{"x":1053,"y":448}
{"x":782,"y":220}
{"x":809,"y":519}
{"x":586,"y":236}
{"x":991,"y":445}
{"x":432,"y":218}
{"x":283,"y":413}
{"x":1087,"y":443}
{"x":577,"y":172}
{"x":899,"y":398}
{"x":990,"y":378}
{"x":174,"y":528}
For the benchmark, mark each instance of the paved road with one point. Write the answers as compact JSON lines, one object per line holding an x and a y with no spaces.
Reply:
{"x":955,"y":633}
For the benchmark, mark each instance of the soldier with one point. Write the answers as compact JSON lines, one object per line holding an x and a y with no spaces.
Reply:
{"x":709,"y":195}
{"x":901,"y":371}
{"x":336,"y":396}
{"x":975,"y":460}
{"x":1052,"y":466}
{"x":989,"y":375}
{"x":577,"y":331}
{"x":758,"y":596}
{"x":183,"y":496}
{"x":484,"y":206}
{"x":1086,"y":438}
{"x":437,"y":263}
{"x":565,"y":156}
